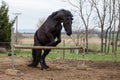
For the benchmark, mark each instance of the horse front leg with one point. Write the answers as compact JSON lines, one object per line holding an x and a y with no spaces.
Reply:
{"x":46,"y":52}
{"x":52,"y":39}
{"x":54,"y":43}
{"x":42,"y":61}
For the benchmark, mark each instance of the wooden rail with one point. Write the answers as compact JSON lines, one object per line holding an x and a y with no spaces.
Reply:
{"x":43,"y":47}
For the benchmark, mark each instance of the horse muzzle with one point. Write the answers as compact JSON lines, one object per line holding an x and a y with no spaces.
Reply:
{"x":69,"y":33}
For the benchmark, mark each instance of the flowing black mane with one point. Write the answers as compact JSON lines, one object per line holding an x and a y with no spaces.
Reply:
{"x":49,"y":34}
{"x":66,"y":12}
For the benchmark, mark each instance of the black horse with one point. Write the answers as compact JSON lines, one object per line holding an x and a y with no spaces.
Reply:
{"x":49,"y":34}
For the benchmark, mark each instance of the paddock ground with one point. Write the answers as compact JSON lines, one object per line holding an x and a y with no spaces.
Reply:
{"x":60,"y":70}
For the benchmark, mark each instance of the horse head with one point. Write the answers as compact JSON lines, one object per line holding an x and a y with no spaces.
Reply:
{"x":65,"y":17}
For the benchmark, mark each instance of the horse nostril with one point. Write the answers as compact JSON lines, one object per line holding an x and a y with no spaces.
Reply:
{"x":69,"y":33}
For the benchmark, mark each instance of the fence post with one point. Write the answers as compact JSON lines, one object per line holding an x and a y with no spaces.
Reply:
{"x":12,"y":48}
{"x":64,"y":49}
{"x":83,"y":46}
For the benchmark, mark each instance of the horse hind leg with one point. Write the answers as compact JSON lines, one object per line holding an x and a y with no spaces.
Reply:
{"x":42,"y":61}
{"x":36,"y":54}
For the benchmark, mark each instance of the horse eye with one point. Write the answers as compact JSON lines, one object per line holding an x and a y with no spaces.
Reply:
{"x":71,"y":18}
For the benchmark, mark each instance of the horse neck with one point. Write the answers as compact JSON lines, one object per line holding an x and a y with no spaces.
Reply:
{"x":55,"y":24}
{"x":58,"y":26}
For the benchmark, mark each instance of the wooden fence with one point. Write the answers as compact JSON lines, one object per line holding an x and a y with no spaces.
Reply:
{"x":31,"y":47}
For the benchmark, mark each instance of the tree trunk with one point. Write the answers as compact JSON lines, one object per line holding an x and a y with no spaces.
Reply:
{"x":109,"y":42}
{"x":115,"y":50}
{"x":86,"y":39}
{"x":102,"y":39}
{"x":106,"y":39}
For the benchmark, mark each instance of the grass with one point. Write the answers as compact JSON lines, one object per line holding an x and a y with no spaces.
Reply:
{"x":90,"y":56}
{"x":58,"y":54}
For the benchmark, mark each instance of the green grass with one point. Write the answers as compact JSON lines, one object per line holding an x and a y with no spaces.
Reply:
{"x":90,"y":56}
{"x":101,"y":57}
{"x":58,"y":54}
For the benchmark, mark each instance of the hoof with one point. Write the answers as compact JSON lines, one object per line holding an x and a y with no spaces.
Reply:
{"x":32,"y":65}
{"x":44,"y":68}
{"x":47,"y":66}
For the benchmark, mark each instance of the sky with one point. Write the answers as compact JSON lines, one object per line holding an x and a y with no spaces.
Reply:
{"x":33,"y":10}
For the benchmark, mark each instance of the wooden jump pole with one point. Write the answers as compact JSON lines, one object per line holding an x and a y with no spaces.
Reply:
{"x":43,"y":47}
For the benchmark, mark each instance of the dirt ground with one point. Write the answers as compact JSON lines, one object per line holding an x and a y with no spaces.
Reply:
{"x":60,"y":70}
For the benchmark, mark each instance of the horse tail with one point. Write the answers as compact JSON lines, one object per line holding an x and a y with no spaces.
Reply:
{"x":36,"y":39}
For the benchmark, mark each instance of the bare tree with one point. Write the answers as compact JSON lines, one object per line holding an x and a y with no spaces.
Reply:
{"x":101,"y":14}
{"x":111,"y":15}
{"x":84,"y":8}
{"x":40,"y":22}
{"x":118,"y":32}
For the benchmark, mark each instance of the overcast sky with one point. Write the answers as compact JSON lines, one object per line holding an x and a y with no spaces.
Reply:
{"x":33,"y":10}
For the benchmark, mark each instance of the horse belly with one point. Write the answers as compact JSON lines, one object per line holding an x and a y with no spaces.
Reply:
{"x":43,"y":40}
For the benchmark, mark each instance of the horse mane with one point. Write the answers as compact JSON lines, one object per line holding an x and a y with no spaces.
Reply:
{"x":66,"y":12}
{"x":53,"y":14}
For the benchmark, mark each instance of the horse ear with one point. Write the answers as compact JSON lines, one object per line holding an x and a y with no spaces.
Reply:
{"x":59,"y":16}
